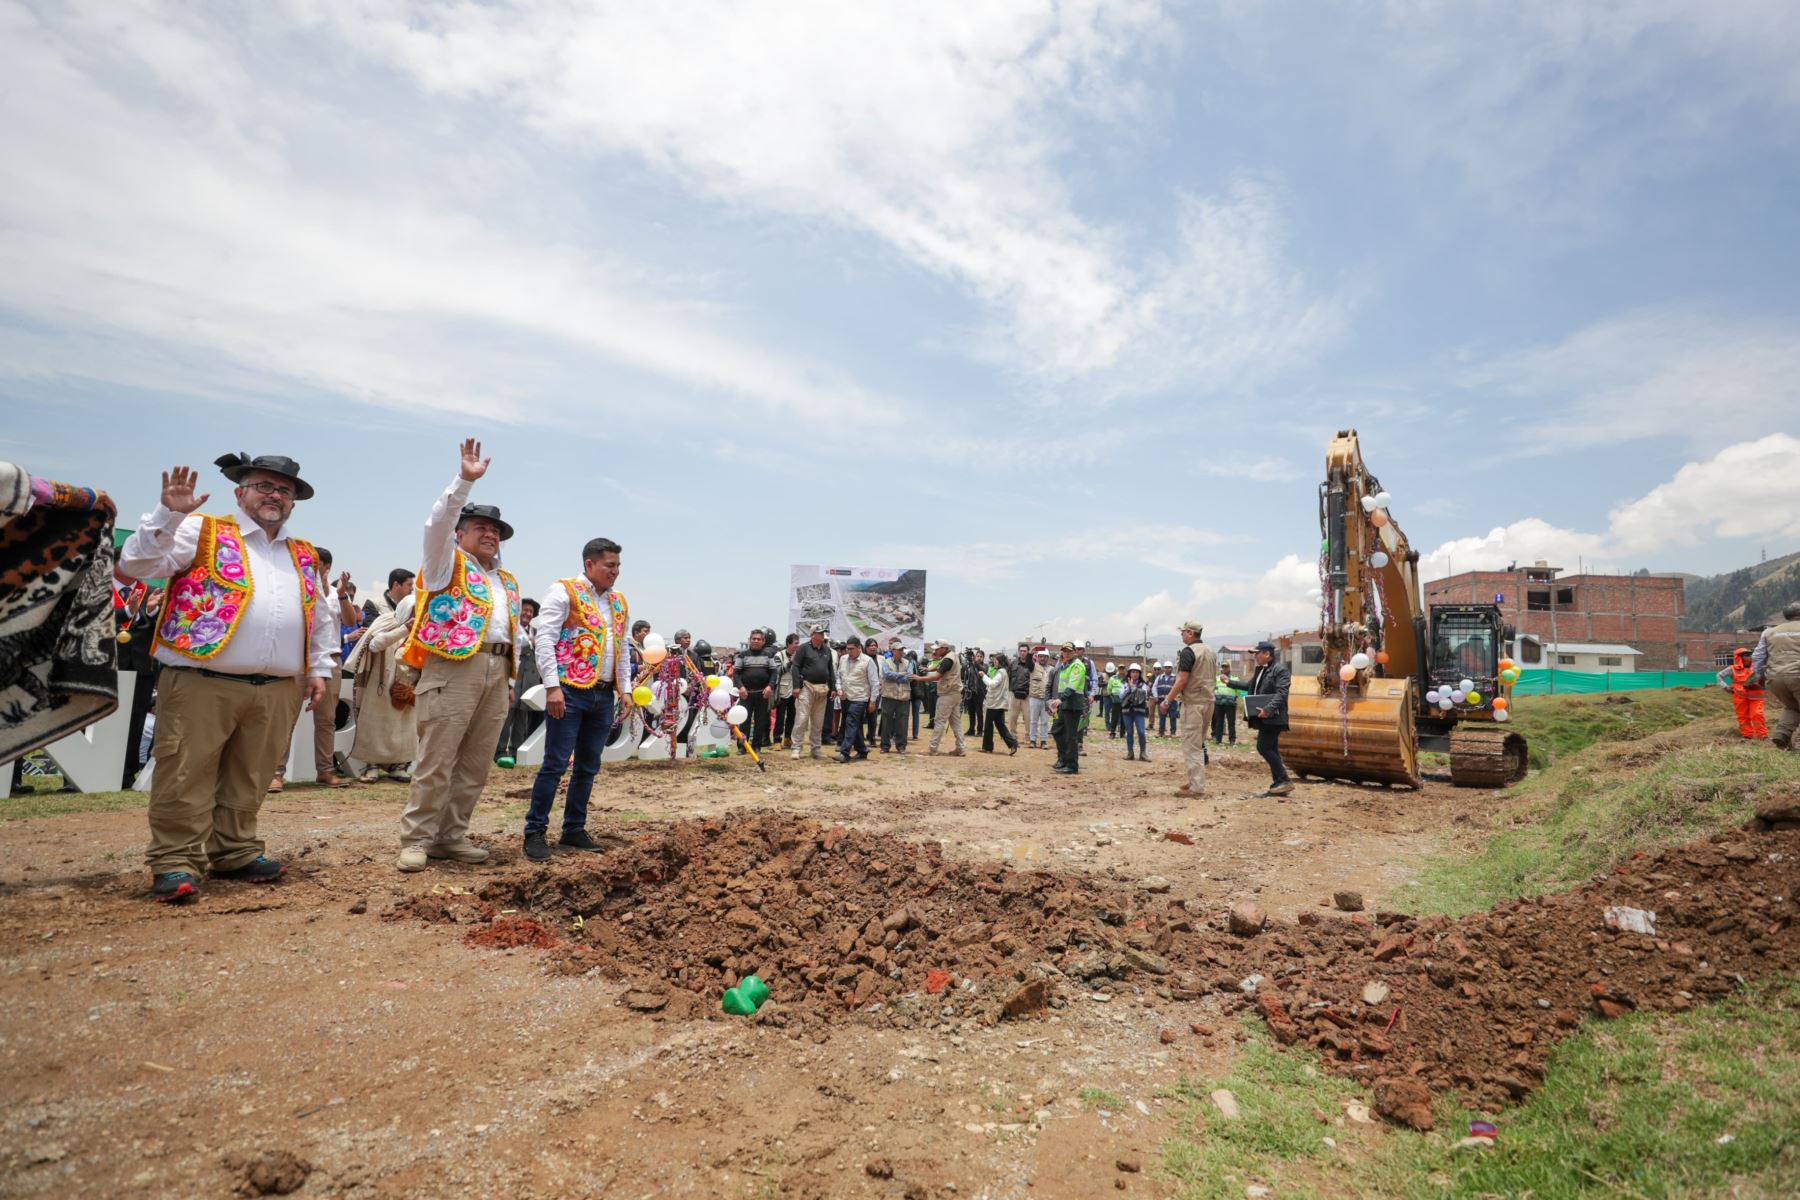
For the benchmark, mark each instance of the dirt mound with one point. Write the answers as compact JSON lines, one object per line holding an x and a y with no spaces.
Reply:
{"x":1475,"y":1005}
{"x":843,"y":923}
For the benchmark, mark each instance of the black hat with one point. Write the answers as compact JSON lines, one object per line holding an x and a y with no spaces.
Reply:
{"x":1268,"y":646}
{"x":236,"y":466}
{"x":487,"y":512}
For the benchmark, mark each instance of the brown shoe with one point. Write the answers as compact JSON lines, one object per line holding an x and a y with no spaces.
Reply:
{"x":1185,"y":790}
{"x":332,"y":779}
{"x":275,"y":785}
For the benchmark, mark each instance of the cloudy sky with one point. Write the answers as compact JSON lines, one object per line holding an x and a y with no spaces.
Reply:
{"x":1059,"y":302}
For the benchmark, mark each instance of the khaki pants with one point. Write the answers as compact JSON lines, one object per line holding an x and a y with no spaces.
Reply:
{"x":1782,"y":689}
{"x":949,"y":708}
{"x":217,"y":743}
{"x":460,"y":707}
{"x":325,"y":725}
{"x":812,"y":710}
{"x":1019,"y":718}
{"x":1196,"y":725}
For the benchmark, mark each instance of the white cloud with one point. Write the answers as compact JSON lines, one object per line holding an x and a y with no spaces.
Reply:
{"x":1176,"y":548}
{"x":1651,"y":373}
{"x":1224,"y":600}
{"x":937,"y":127}
{"x":1749,"y":490}
{"x":159,"y":210}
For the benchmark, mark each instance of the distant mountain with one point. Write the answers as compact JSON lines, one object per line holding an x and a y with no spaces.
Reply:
{"x":909,"y":581}
{"x":1746,"y":597}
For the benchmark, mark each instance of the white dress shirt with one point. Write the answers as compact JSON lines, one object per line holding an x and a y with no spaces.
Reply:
{"x":547,"y":631}
{"x":440,"y":558}
{"x":268,"y":637}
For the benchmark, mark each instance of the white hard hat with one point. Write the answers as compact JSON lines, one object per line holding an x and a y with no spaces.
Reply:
{"x":1111,"y":667}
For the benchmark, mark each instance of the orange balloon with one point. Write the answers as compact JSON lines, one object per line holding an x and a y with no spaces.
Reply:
{"x":1346,"y":673}
{"x":1381,"y":657}
{"x":1506,"y":664}
{"x":1500,"y":703}
{"x":1378,"y":518}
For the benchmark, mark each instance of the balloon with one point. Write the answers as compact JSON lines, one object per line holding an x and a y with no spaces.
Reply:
{"x":1500,"y":704}
{"x":720,"y":700}
{"x":1446,"y":704}
{"x":655,"y":657}
{"x":1457,"y":695}
{"x":1378,"y":518}
{"x":1368,"y":503}
{"x":654,"y":641}
{"x":1502,"y":715}
{"x":640,"y":695}
{"x":1360,"y":661}
{"x":1467,"y":685}
{"x":1346,"y":672}
{"x":682,"y":686}
{"x":1378,"y":560}
{"x":737,"y":714}
{"x":1381,"y":656}
{"x":1473,"y":697}
{"x":1506,"y":664}
{"x":1432,"y":697}
{"x":712,"y":681}
{"x":1382,"y":499}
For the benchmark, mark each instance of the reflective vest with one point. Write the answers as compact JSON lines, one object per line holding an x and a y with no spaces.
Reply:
{"x":1740,"y":680}
{"x":452,"y":622}
{"x":203,"y":605}
{"x":1072,"y":678}
{"x":580,"y":647}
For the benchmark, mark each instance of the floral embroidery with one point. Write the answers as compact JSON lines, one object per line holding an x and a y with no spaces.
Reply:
{"x":578,"y":647}
{"x":201,"y":610}
{"x":452,"y":623}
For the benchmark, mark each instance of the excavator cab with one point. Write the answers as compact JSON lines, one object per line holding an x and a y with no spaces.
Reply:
{"x":1465,"y":644}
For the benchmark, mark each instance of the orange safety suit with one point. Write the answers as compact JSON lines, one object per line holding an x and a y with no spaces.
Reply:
{"x":1747,"y":697}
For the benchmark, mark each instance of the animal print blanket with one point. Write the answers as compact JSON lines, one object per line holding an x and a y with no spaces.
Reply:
{"x":58,"y":653}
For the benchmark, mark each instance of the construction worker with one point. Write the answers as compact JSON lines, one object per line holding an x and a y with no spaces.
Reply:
{"x":1746,"y":694}
{"x":1196,"y":671}
{"x":1775,"y":664}
{"x":1068,"y":705}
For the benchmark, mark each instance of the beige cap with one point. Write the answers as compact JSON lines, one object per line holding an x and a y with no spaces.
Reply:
{"x":1192,"y":627}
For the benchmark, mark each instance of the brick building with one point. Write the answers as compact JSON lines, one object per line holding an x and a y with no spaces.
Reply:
{"x":1640,"y":611}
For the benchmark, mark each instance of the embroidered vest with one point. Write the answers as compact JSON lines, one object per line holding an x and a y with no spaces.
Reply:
{"x":452,"y":622}
{"x":580,"y":644}
{"x":203,"y":605}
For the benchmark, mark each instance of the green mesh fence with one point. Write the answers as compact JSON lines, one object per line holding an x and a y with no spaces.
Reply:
{"x":1570,"y":683}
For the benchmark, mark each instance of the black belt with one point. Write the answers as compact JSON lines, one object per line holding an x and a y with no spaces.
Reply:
{"x":505,"y":648}
{"x":252,"y":680}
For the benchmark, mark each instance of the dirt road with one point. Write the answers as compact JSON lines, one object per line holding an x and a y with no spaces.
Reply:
{"x":154,"y":1050}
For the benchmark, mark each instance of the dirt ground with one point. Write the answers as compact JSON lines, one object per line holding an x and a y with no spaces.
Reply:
{"x":149,"y":1049}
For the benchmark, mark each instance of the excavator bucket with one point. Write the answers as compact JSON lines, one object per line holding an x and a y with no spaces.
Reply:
{"x":1366,"y":736}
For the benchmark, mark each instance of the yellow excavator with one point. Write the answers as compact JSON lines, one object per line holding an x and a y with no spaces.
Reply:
{"x":1393,"y":677}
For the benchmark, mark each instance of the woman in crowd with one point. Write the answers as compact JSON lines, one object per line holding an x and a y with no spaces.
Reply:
{"x":1133,"y":703}
{"x":996,"y":699}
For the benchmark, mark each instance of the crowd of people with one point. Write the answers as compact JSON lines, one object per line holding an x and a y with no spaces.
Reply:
{"x":252,"y":628}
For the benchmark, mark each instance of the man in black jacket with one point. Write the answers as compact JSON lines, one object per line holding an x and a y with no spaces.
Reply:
{"x":974,"y":691}
{"x":755,"y":672}
{"x":814,"y":669}
{"x":1018,"y":682}
{"x":1266,"y":711}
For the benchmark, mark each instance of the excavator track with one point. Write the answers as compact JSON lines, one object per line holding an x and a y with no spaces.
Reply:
{"x":1486,"y":756}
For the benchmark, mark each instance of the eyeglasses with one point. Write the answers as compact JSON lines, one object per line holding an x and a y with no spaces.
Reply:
{"x":263,"y":487}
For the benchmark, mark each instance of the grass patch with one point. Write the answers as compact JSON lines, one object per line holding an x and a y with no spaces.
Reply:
{"x":1632,"y":788}
{"x":22,"y":806}
{"x":1633,"y":1107}
{"x":1636,"y":1107}
{"x":1559,"y":726}
{"x":1093,"y":1097}
{"x":1277,"y":1141}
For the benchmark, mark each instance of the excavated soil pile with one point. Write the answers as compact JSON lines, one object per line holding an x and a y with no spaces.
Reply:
{"x":842,"y":923}
{"x":1481,"y":1000}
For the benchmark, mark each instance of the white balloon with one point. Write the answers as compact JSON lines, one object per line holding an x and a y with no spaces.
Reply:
{"x":1378,"y":560}
{"x":1502,"y":715}
{"x":1368,"y":503}
{"x":1446,"y":704}
{"x":720,"y":699}
{"x":737,"y":714}
{"x":683,"y":685}
{"x":1382,"y":499}
{"x":1360,"y":661}
{"x":1432,"y":697}
{"x":1467,"y":685}
{"x":654,"y":641}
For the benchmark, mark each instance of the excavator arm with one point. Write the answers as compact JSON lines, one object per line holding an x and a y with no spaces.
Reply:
{"x":1370,"y":726}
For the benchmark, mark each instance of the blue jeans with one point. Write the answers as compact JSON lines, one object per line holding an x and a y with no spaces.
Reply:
{"x":1133,"y":723}
{"x":854,"y":723}
{"x":580,"y":734}
{"x":1171,"y":720}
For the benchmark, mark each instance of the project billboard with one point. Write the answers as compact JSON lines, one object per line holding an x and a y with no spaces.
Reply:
{"x":859,"y":602}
